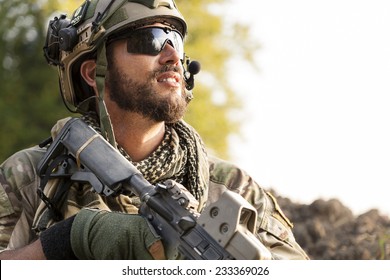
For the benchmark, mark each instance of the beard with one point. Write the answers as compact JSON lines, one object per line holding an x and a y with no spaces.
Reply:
{"x":141,"y":98}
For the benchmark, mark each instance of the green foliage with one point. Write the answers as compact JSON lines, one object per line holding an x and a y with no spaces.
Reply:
{"x":384,"y":246}
{"x":31,"y":102}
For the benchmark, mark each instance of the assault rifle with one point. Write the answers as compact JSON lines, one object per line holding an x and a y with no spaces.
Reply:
{"x":224,"y":230}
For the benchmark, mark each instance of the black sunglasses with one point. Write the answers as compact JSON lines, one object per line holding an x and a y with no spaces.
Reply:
{"x":152,"y":40}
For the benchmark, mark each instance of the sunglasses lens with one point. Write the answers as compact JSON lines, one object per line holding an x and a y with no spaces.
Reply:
{"x":151,"y":41}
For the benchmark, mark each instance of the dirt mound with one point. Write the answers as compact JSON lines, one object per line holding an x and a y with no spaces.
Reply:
{"x":327,"y":230}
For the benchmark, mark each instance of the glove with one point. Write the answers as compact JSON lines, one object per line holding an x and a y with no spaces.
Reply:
{"x":97,"y":234}
{"x":55,"y":241}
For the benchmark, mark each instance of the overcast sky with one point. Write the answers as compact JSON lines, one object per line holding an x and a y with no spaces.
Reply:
{"x":318,"y":111}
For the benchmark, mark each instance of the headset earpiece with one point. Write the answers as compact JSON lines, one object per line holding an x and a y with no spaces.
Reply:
{"x":68,"y":38}
{"x":61,"y":36}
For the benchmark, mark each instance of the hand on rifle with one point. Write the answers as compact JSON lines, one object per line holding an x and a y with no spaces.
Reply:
{"x":95,"y":234}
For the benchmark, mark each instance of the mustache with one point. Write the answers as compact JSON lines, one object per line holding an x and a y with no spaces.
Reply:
{"x":167,"y":68}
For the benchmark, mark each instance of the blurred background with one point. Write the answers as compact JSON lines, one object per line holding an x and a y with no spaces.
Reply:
{"x":295,"y":92}
{"x":318,"y":109}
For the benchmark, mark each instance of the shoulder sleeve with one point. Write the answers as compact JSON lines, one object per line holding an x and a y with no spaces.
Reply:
{"x":18,"y":184}
{"x":274,"y":229}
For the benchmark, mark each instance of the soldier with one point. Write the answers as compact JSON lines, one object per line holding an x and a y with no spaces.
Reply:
{"x":122,"y":66}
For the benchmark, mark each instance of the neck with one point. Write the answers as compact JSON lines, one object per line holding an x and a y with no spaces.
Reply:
{"x":136,"y":134}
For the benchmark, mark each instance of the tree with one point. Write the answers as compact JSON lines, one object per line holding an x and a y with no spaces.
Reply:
{"x":31,"y":102}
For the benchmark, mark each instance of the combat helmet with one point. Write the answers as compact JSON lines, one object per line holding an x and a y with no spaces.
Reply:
{"x":70,"y":42}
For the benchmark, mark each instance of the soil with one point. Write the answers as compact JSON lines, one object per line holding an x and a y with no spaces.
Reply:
{"x":328,"y":230}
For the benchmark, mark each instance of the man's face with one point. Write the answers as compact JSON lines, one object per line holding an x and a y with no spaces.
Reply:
{"x":150,"y":85}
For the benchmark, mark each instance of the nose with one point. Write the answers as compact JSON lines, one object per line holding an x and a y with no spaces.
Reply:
{"x":169,"y":55}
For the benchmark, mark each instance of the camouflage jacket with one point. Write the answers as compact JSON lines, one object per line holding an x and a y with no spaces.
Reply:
{"x":22,"y":213}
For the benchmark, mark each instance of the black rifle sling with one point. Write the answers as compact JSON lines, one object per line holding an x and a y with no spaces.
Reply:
{"x":57,"y":169}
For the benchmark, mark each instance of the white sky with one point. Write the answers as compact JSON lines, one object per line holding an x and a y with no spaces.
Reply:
{"x":318,"y":112}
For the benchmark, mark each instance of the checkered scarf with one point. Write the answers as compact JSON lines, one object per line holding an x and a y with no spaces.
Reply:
{"x":181,"y":156}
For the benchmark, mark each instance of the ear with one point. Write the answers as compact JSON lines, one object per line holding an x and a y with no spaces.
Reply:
{"x":87,"y":71}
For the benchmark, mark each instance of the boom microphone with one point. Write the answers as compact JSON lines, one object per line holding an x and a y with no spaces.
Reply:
{"x":193,"y":69}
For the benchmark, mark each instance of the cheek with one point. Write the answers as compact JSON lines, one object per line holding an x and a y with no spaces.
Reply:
{"x":137,"y":66}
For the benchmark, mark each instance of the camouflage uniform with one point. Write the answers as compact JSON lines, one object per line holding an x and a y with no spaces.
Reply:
{"x":22,"y":209}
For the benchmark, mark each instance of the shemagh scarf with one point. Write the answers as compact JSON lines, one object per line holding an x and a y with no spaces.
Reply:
{"x":181,"y":156}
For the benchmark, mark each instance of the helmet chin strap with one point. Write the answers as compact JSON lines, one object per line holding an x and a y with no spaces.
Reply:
{"x":105,"y":121}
